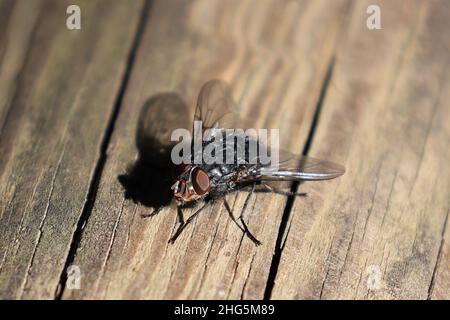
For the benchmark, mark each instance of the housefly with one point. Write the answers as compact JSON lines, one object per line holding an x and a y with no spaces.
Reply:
{"x":205,"y":182}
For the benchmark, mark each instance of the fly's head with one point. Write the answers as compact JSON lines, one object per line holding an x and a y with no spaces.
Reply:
{"x":191,"y":186}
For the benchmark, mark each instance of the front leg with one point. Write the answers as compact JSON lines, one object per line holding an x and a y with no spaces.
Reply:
{"x":153,"y":213}
{"x":180,"y":215}
{"x":184,"y":224}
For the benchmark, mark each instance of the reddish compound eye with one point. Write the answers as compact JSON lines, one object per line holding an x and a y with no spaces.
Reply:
{"x":200,"y":181}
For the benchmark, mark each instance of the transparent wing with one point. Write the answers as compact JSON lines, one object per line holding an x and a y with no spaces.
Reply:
{"x":292,"y":167}
{"x":216,"y":110}
{"x":216,"y":107}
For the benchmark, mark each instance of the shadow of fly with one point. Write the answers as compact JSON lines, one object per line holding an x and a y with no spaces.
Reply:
{"x":201,"y":179}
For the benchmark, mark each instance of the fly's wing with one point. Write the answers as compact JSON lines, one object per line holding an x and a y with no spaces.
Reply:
{"x":216,"y":110}
{"x":216,"y":107}
{"x":291,"y":167}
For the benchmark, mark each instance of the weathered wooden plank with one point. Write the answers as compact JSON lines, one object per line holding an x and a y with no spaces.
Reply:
{"x":13,"y":53}
{"x":376,"y":232}
{"x":58,"y":89}
{"x":275,"y":54}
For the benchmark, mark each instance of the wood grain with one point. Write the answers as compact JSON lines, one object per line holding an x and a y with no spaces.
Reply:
{"x":276,"y":55}
{"x":13,"y":53}
{"x":386,"y":117}
{"x":57,"y":90}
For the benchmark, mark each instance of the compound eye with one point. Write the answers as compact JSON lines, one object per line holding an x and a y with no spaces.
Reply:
{"x":200,"y":181}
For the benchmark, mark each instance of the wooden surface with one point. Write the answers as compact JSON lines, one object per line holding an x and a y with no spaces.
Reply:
{"x":71,"y":110}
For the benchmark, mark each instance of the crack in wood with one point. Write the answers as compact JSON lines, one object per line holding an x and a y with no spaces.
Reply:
{"x":52,"y":185}
{"x":347,"y":252}
{"x":294,"y":187}
{"x":439,"y":256}
{"x":372,"y":201}
{"x":209,"y":253}
{"x":111,"y":243}
{"x":247,"y":277}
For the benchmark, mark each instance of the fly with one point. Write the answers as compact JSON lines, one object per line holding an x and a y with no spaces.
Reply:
{"x":204,"y":182}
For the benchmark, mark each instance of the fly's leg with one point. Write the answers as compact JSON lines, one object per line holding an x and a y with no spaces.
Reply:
{"x":151,"y":214}
{"x":241,"y":218}
{"x":230,"y":213}
{"x":180,"y":215}
{"x":285,"y":193}
{"x":184,"y":224}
